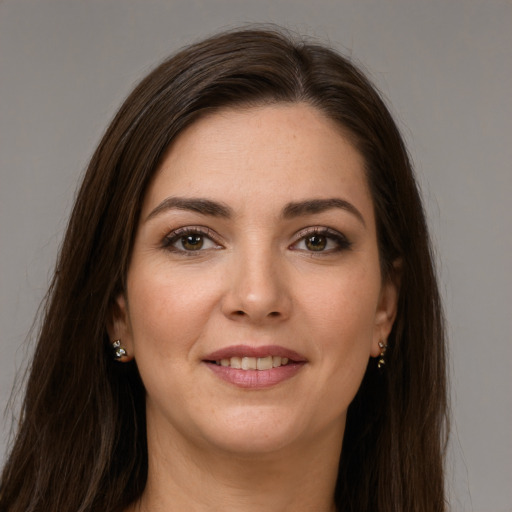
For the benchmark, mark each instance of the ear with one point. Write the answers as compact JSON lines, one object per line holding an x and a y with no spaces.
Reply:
{"x":386,"y":308}
{"x":119,"y":326}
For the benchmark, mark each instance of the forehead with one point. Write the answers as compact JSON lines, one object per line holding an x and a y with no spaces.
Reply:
{"x":271,"y":154}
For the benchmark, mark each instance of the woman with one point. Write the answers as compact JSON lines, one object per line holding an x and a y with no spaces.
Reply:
{"x":245,"y":313}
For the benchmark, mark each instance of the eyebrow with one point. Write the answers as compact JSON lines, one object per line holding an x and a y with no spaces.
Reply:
{"x":313,"y":206}
{"x":217,"y":209}
{"x":199,"y":205}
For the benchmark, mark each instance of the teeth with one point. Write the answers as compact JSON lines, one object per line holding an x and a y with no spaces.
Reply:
{"x":264,"y":363}
{"x":248,"y":363}
{"x":235,"y":362}
{"x":254,"y":363}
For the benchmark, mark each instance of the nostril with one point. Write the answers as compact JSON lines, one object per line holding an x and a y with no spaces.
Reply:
{"x":274,"y":313}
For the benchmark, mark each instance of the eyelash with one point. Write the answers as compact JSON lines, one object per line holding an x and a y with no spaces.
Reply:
{"x":181,"y":233}
{"x":342,"y":243}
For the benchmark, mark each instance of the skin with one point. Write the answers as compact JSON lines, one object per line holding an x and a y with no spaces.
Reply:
{"x":255,"y":281}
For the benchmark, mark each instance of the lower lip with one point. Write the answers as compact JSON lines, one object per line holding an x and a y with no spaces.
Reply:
{"x":256,"y":379}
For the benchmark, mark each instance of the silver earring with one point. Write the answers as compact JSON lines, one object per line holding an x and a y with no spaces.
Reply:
{"x":382,"y":361}
{"x":119,"y":350}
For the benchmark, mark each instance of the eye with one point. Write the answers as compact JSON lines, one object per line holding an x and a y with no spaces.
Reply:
{"x":316,"y":242}
{"x":193,"y":239}
{"x":318,"y":239}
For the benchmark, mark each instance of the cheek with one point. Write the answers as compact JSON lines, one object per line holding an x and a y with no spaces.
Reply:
{"x":343,"y":305}
{"x":168,"y":309}
{"x":341,"y":312}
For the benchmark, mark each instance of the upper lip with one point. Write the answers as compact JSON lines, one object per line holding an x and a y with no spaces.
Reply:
{"x":252,"y":351}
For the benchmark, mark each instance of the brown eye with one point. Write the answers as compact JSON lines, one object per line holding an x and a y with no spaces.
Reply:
{"x":192,"y":242}
{"x":322,"y":240}
{"x":190,"y":239}
{"x":316,"y":242}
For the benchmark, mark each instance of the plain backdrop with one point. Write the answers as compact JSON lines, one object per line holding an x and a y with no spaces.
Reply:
{"x":444,"y":66}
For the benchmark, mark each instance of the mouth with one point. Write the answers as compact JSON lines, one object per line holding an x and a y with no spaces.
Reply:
{"x":255,"y":367}
{"x":252,"y":363}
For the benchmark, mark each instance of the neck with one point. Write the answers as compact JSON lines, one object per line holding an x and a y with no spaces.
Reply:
{"x":185,"y":476}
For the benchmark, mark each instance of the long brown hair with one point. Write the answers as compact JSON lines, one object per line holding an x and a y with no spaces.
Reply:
{"x":81,"y":442}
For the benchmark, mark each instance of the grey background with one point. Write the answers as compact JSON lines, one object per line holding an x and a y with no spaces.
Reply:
{"x":444,"y":66}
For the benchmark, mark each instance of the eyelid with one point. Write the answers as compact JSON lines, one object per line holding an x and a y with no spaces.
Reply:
{"x":174,"y":235}
{"x":341,"y":240}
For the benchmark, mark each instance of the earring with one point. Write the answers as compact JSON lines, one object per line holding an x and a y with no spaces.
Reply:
{"x":381,"y":362}
{"x":119,"y":350}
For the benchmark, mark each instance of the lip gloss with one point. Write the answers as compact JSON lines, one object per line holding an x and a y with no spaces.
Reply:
{"x":253,"y":378}
{"x":256,"y":379}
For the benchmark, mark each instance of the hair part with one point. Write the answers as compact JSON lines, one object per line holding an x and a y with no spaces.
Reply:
{"x":81,"y":443}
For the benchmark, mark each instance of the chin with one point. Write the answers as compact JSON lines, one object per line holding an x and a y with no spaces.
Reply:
{"x":258,"y":431}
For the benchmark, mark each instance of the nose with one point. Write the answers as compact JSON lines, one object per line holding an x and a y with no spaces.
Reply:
{"x":258,"y":290}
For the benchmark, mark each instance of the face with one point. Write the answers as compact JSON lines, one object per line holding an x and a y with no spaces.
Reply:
{"x":254,"y":295}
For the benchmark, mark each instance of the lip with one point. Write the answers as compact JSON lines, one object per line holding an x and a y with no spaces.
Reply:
{"x":255,"y":379}
{"x":251,"y":351}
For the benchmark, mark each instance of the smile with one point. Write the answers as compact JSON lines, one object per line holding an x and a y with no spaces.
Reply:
{"x":253,"y":363}
{"x":253,"y":367}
